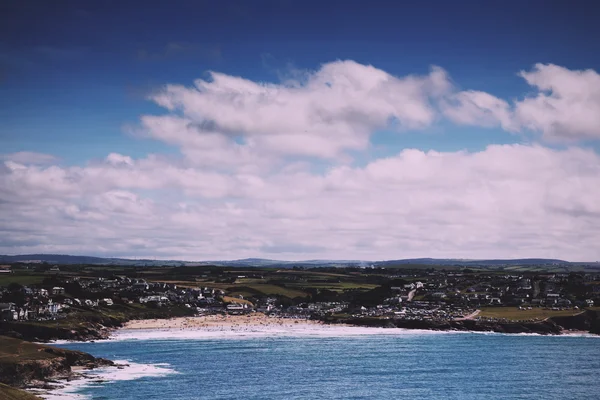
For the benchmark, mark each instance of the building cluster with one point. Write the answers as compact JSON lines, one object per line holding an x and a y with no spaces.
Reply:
{"x":31,"y":304}
{"x":435,"y":295}
{"x":42,"y":302}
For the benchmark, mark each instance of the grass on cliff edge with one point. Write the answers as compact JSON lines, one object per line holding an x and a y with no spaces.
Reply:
{"x":514,"y":314}
{"x":14,"y":350}
{"x":10,"y":393}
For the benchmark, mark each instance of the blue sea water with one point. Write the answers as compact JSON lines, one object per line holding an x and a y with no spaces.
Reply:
{"x":421,"y":365}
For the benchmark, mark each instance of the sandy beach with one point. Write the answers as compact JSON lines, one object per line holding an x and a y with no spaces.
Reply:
{"x":212,"y":322}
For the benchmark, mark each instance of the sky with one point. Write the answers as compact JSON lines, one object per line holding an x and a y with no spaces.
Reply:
{"x":294,"y":130}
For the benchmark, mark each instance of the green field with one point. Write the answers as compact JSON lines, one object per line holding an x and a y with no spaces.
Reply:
{"x":6,"y":279}
{"x":335,"y":286}
{"x":514,"y":314}
{"x":269,"y":290}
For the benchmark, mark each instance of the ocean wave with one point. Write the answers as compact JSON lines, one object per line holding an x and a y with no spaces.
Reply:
{"x":303,"y":331}
{"x":123,"y":371}
{"x":261,"y":332}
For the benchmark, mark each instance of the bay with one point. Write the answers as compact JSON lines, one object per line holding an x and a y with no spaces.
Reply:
{"x":421,"y":365}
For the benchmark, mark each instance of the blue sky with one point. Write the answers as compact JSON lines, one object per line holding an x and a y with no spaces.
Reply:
{"x":76,"y":79}
{"x":75,"y":72}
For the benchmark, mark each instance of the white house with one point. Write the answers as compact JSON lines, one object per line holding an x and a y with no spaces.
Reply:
{"x":58,"y":290}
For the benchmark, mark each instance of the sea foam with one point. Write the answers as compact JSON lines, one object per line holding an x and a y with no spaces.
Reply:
{"x":261,"y":332}
{"x":123,"y":371}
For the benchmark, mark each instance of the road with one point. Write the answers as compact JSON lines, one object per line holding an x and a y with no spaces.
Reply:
{"x":470,"y":316}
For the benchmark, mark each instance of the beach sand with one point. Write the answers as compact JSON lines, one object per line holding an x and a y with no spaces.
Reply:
{"x":211,"y":322}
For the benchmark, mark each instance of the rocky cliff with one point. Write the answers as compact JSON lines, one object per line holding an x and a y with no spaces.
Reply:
{"x":23,"y":363}
{"x":547,"y":327}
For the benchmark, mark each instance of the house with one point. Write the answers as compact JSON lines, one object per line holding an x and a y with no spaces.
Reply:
{"x":589,"y":303}
{"x":107,"y":302}
{"x":236,"y":308}
{"x":154,"y":299}
{"x":140,"y":285}
{"x":90,"y":303}
{"x":58,"y":290}
{"x":564,"y":302}
{"x":5,"y":269}
{"x":8,"y":312}
{"x":265,"y":309}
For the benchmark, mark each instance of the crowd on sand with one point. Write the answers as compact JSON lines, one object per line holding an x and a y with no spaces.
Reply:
{"x":219,"y":322}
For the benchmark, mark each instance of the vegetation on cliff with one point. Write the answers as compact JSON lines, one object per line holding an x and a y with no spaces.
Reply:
{"x":82,"y":324}
{"x":23,"y":363}
{"x":10,"y":393}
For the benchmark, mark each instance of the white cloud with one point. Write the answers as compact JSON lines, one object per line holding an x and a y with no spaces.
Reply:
{"x":119,"y":159}
{"x":477,"y":108}
{"x":29,"y":157}
{"x":505,"y":201}
{"x":265,"y":171}
{"x":330,"y":111}
{"x":566,"y":106}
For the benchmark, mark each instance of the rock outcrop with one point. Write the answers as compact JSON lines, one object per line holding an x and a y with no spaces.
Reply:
{"x":23,"y":363}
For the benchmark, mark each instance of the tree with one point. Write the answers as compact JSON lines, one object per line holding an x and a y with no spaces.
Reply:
{"x":15,"y":287}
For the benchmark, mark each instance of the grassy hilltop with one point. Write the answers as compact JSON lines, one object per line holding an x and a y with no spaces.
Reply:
{"x":10,"y":393}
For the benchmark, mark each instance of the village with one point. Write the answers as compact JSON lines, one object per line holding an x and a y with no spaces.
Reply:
{"x":435,"y":294}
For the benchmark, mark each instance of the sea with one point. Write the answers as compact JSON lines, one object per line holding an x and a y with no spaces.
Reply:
{"x":339,"y":363}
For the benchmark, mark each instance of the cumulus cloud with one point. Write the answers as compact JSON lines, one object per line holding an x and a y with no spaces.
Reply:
{"x":330,"y":111}
{"x":566,"y":106}
{"x":264,"y":170}
{"x":29,"y":157}
{"x":505,"y":201}
{"x":477,"y":108}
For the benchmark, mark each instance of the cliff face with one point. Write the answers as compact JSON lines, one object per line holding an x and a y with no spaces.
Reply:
{"x":543,"y":327}
{"x":588,"y":320}
{"x":19,"y":374}
{"x":23,"y":363}
{"x":47,"y":332}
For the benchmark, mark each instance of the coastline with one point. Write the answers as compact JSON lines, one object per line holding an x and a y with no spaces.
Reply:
{"x":68,"y":388}
{"x":225,"y":326}
{"x":219,"y":321}
{"x":258,"y":324}
{"x":220,"y":327}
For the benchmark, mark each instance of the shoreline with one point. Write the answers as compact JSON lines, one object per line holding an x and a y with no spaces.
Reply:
{"x":122,"y":370}
{"x":260,"y":325}
{"x":220,"y":327}
{"x":256,"y":323}
{"x":219,"y":321}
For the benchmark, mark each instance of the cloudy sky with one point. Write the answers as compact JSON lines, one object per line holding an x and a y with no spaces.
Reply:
{"x":203,"y":130}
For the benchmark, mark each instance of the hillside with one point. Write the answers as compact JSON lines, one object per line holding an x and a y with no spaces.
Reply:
{"x":23,"y":363}
{"x":260,"y":262}
{"x":10,"y":393}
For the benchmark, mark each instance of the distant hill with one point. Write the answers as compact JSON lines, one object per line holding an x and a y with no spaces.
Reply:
{"x":68,"y":259}
{"x":461,"y":262}
{"x":54,"y":258}
{"x":261,"y":262}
